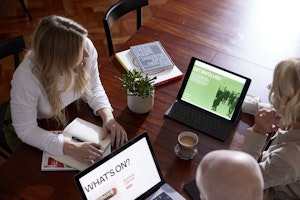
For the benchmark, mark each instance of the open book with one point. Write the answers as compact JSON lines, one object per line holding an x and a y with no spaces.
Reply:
{"x":81,"y":130}
{"x":127,"y":60}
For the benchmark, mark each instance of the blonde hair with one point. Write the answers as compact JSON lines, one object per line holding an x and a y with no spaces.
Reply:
{"x":57,"y":51}
{"x":284,"y":92}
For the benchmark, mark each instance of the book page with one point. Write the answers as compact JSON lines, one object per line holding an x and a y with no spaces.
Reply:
{"x":78,"y":130}
{"x":87,"y":132}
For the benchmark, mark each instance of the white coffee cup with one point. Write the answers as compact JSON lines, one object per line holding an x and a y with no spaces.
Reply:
{"x":187,"y":145}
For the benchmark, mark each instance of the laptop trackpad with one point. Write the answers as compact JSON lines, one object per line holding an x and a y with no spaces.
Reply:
{"x":165,"y":192}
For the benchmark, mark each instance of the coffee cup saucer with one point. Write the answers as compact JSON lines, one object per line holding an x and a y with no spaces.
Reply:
{"x":177,"y":152}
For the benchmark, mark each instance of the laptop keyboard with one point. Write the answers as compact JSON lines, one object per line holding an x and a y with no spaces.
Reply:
{"x":200,"y":121}
{"x":163,"y":196}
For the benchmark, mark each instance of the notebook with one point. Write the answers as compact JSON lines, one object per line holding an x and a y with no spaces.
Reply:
{"x":209,"y":99}
{"x":130,"y":172}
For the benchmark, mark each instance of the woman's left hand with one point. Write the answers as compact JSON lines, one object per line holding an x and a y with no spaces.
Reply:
{"x":117,"y":133}
{"x":266,"y":121}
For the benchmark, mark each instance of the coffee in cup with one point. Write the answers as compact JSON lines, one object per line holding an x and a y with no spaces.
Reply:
{"x":187,"y":145}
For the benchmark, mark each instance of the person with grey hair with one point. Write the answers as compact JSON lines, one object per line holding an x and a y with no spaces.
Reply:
{"x":229,"y":175}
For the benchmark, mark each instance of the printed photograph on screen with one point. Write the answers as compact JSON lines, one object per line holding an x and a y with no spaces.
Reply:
{"x":222,"y":89}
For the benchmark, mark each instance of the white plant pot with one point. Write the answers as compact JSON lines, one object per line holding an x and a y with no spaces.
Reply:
{"x":139,"y":105}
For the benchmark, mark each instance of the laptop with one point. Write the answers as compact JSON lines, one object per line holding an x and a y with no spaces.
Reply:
{"x":129,"y":172}
{"x":209,"y":99}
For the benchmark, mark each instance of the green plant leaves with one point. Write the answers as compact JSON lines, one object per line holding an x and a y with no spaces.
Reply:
{"x":137,"y":85}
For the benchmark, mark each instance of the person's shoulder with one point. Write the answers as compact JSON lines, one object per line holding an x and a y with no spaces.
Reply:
{"x":89,"y":43}
{"x":24,"y":72}
{"x":289,"y":137}
{"x":25,"y":67}
{"x":91,"y":48}
{"x":288,"y":148}
{"x":290,"y":155}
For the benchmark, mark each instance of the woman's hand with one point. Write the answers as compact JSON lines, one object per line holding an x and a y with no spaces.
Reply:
{"x":266,"y":121}
{"x":87,"y":152}
{"x":117,"y":133}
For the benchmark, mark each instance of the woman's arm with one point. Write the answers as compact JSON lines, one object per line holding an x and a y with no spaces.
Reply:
{"x":254,"y":143}
{"x":27,"y":101}
{"x":99,"y":101}
{"x":110,"y":125}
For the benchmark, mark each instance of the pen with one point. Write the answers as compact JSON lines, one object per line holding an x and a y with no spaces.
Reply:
{"x":76,"y":139}
{"x":79,"y":140}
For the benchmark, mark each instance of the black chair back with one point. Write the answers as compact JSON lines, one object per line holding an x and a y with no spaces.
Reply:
{"x":118,"y":10}
{"x":10,"y":47}
{"x":13,"y":47}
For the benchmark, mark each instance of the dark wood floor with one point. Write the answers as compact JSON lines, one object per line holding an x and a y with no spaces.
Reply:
{"x":13,"y":22}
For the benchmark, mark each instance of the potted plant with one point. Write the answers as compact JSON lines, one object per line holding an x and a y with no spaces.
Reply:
{"x":139,"y":90}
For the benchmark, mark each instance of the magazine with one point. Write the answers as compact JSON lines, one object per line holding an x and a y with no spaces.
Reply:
{"x":49,"y":164}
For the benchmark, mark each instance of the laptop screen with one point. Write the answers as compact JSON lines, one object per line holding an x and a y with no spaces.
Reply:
{"x":130,"y":172}
{"x":213,"y":89}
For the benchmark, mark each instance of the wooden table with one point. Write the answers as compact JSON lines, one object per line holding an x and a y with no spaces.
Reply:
{"x":182,"y":37}
{"x":22,"y":170}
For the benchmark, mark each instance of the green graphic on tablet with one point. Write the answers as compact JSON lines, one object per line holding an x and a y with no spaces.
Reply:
{"x":222,"y":89}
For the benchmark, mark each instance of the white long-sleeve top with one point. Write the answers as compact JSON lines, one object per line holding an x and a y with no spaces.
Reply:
{"x":29,"y":102}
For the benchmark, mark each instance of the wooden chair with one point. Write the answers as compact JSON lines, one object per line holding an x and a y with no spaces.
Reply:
{"x":10,"y":47}
{"x":118,"y":10}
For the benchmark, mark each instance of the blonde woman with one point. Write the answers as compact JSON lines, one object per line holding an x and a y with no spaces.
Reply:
{"x":60,"y":67}
{"x":280,"y":162}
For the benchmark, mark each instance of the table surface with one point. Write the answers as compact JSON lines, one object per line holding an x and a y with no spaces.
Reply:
{"x":216,"y":31}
